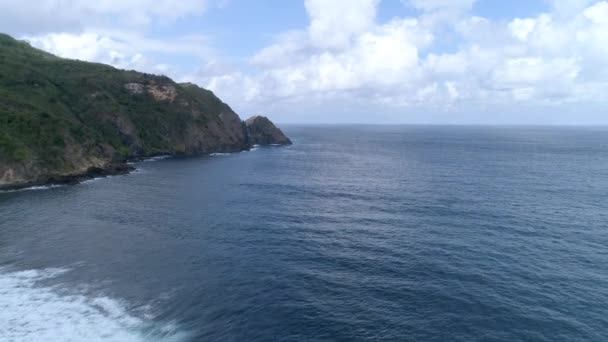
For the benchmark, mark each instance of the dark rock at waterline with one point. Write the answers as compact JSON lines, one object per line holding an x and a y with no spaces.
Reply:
{"x":91,"y":173}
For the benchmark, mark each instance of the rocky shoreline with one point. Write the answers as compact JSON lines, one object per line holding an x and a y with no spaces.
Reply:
{"x":114,"y":169}
{"x":118,"y":168}
{"x":92,"y":173}
{"x":259,"y":131}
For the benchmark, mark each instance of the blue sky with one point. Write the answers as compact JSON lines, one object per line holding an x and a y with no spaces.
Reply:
{"x":241,"y":28}
{"x":368,"y":61}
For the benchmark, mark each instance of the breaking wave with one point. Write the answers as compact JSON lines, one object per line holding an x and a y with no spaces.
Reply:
{"x":32,"y":311}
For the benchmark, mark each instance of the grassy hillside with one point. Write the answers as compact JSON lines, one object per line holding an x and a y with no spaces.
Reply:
{"x":61,"y":116}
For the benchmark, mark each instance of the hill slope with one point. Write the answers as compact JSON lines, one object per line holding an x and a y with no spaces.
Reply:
{"x":61,"y":118}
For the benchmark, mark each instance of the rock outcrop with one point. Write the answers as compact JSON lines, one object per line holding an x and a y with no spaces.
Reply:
{"x":261,"y":131}
{"x":61,"y":119}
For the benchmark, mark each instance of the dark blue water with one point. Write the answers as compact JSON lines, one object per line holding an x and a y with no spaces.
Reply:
{"x":354,"y":233}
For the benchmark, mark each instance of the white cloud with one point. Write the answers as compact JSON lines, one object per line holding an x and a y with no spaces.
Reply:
{"x":521,"y":28}
{"x":597,"y":13}
{"x":438,"y":14}
{"x":114,"y":32}
{"x":289,"y":48}
{"x":334,"y":23}
{"x":385,"y":56}
{"x":89,"y":47}
{"x":535,"y":78}
{"x":550,"y":58}
{"x":565,"y":8}
{"x":365,"y":55}
{"x":130,"y":51}
{"x":41,"y":16}
{"x":444,"y":56}
{"x":443,"y":5}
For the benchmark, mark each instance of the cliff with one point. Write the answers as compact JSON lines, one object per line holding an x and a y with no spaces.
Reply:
{"x":61,"y":119}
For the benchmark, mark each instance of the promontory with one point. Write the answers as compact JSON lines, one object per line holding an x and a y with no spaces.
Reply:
{"x":62,"y":119}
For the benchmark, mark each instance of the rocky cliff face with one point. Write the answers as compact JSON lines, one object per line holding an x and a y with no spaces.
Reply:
{"x":261,"y":131}
{"x":61,"y":119}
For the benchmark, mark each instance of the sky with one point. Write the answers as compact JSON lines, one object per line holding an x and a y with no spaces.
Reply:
{"x":350,"y":61}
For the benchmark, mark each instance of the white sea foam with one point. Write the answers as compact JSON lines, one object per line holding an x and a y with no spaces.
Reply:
{"x":92,"y":180}
{"x":156,"y":158}
{"x":34,"y":188}
{"x":30,"y":311}
{"x":95,"y":179}
{"x":219,"y":154}
{"x":253,"y":148}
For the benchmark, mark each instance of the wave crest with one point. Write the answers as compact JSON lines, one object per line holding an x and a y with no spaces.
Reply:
{"x":31,"y":312}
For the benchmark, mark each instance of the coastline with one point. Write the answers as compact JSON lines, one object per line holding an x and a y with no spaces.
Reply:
{"x":113,"y":169}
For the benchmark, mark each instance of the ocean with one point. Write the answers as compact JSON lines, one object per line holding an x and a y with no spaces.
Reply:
{"x":354,"y":233}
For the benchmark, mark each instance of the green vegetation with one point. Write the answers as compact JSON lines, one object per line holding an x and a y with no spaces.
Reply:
{"x":53,"y":108}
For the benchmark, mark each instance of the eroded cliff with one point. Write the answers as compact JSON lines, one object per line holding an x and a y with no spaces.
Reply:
{"x":62,"y":118}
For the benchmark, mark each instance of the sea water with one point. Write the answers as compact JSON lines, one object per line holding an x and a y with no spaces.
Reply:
{"x":354,"y":233}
